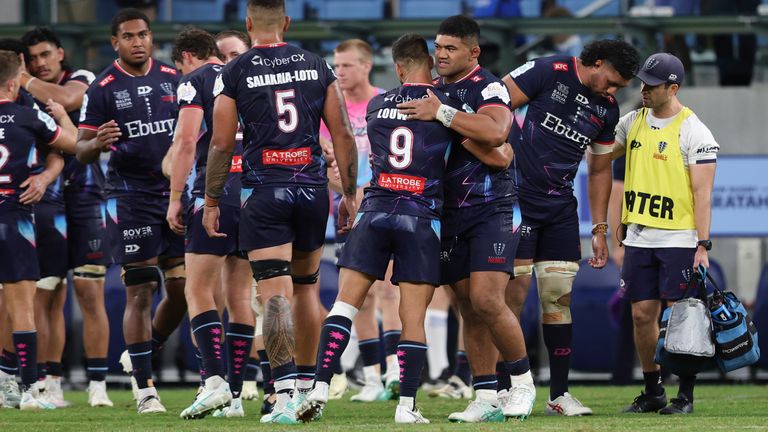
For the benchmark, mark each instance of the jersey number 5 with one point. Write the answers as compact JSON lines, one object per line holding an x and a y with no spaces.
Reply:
{"x":287,"y":115}
{"x":401,"y":148}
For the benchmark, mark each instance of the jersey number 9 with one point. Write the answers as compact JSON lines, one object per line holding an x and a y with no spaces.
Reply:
{"x":401,"y":148}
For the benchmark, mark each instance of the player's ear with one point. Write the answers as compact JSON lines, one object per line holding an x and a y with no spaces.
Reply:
{"x":431,"y":62}
{"x":113,"y":40}
{"x":287,"y":23}
{"x":475,"y":51}
{"x":248,"y":24}
{"x":60,"y":52}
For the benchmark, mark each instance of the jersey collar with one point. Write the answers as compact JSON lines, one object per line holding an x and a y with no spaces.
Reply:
{"x":120,"y":68}
{"x":417,"y":84}
{"x":272,"y":45}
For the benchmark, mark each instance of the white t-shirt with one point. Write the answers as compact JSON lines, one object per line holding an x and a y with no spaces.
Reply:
{"x":697,"y":146}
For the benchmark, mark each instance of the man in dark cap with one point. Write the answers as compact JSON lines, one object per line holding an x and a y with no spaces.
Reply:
{"x":670,"y":168}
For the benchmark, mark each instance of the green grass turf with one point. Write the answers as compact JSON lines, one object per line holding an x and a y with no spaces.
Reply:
{"x":717,"y":408}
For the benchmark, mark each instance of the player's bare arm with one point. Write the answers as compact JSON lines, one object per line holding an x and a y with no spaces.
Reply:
{"x":90,"y":143}
{"x":702,"y":179}
{"x":68,"y":136}
{"x":344,"y":149}
{"x":183,"y":147}
{"x":599,"y":181}
{"x":219,"y":160}
{"x":516,"y":96}
{"x":70,"y":95}
{"x":489,"y":126}
{"x":37,"y":184}
{"x":495,"y":157}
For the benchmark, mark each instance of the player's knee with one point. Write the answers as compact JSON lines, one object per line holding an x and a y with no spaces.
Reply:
{"x":48,"y":283}
{"x":555,"y":282}
{"x":175,"y":271}
{"x":643,"y":316}
{"x":306,"y":280}
{"x":270,"y":268}
{"x":139,"y":275}
{"x":89,"y":272}
{"x":523,"y":270}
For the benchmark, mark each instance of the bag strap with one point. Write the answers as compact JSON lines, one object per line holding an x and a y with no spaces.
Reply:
{"x":706,"y":276}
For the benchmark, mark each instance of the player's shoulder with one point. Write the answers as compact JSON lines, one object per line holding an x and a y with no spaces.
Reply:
{"x":164,"y":70}
{"x":81,"y":75}
{"x":106,"y":77}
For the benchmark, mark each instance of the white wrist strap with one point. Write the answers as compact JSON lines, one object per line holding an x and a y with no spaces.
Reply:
{"x":445,"y":115}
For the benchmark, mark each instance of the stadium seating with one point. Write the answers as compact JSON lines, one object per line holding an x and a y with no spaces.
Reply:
{"x":760,"y":317}
{"x":196,"y":10}
{"x":350,"y":9}
{"x":594,"y":334}
{"x":434,"y":9}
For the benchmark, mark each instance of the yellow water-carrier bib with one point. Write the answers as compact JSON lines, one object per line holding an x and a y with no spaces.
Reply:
{"x":657,"y":186}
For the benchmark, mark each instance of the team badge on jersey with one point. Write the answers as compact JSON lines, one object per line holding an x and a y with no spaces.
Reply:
{"x":186,"y":92}
{"x":495,"y":90}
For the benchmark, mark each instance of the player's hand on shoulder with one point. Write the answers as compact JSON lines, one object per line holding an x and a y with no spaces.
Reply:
{"x":108,"y":134}
{"x":421,"y":109}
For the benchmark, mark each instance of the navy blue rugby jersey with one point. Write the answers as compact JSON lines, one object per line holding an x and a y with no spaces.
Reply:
{"x":280,"y":91}
{"x":145,"y":109}
{"x":196,"y":92}
{"x":408,"y":157}
{"x":551,"y":132}
{"x":21,"y":130}
{"x":468,"y":181}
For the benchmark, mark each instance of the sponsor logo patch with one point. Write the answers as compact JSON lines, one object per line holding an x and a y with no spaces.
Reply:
{"x":237,"y":164}
{"x":561,"y":67}
{"x":299,"y":156}
{"x":108,"y":79}
{"x":400,"y":182}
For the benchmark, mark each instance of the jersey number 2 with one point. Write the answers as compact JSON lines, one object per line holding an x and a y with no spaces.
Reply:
{"x":5,"y":154}
{"x":401,"y":148}
{"x":287,"y":115}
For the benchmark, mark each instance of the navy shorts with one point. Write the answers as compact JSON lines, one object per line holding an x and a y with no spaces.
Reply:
{"x":479,"y":238}
{"x":138,"y":231}
{"x":18,"y":247}
{"x":197,"y":240}
{"x":549,"y":230}
{"x":86,"y":229}
{"x":412,"y":242}
{"x":276,"y":215}
{"x":657,"y":273}
{"x":51,"y":229}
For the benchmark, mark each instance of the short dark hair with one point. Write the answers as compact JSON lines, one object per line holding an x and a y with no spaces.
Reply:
{"x":461,"y":27}
{"x":40,"y":34}
{"x":9,"y":65}
{"x":15,"y":45}
{"x":267,"y":4}
{"x":410,"y":47}
{"x":620,"y":54}
{"x":234,"y":33}
{"x":195,"y":41}
{"x":127,"y":15}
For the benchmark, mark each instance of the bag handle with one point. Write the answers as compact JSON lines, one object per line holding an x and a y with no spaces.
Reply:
{"x":705,"y":275}
{"x":697,"y":281}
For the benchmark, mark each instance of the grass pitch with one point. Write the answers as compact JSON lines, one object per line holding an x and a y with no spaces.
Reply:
{"x":717,"y":408}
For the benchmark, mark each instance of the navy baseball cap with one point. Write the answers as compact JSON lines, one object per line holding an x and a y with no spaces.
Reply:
{"x":662,"y":68}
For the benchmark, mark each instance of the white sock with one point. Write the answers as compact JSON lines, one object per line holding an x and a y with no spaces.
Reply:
{"x":489,"y":396}
{"x":146,"y":392}
{"x":350,"y":355}
{"x":524,"y":379}
{"x":393,"y":365}
{"x":213,"y":381}
{"x":343,"y":309}
{"x":304,"y":385}
{"x":372,"y":374}
{"x":436,"y":329}
{"x":407,"y":401}
{"x":286,"y":384}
